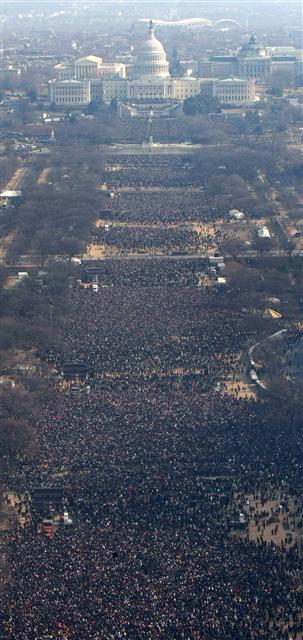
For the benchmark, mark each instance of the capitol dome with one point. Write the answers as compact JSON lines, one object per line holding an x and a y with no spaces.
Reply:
{"x":151,"y":58}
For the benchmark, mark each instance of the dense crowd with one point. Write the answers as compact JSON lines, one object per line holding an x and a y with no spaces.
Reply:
{"x":149,"y":476}
{"x":151,"y":462}
{"x":140,"y":238}
{"x":131,"y":272}
{"x":143,"y":206}
{"x":160,"y":176}
{"x":154,"y":328}
{"x":149,"y":470}
{"x":158,"y":190}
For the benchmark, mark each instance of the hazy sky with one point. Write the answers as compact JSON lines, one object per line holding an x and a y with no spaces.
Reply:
{"x":267,"y":12}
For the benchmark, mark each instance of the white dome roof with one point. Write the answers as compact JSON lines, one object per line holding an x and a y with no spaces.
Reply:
{"x":151,"y":58}
{"x":151,"y":45}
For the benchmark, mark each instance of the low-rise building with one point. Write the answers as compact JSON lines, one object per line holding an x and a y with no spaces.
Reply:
{"x":69,"y":92}
{"x":90,"y":67}
{"x":237,"y":91}
{"x":10,"y":75}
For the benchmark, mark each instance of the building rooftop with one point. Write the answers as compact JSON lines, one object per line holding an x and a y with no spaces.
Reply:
{"x":70,"y":81}
{"x":227,"y":58}
{"x":88,"y":60}
{"x":233,"y":79}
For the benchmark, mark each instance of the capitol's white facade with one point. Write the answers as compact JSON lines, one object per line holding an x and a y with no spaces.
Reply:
{"x":149,"y":80}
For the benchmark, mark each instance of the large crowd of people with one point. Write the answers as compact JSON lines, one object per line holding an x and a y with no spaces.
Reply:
{"x":158,"y":190}
{"x":149,"y":476}
{"x":158,"y":204}
{"x":131,"y":272}
{"x":153,"y":171}
{"x":142,"y":206}
{"x":151,"y":462}
{"x":144,"y":328}
{"x":144,"y":239}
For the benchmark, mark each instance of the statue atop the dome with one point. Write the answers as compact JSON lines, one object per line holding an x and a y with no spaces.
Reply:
{"x":151,"y":29}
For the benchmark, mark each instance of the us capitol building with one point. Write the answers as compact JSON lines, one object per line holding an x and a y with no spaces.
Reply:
{"x":90,"y":79}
